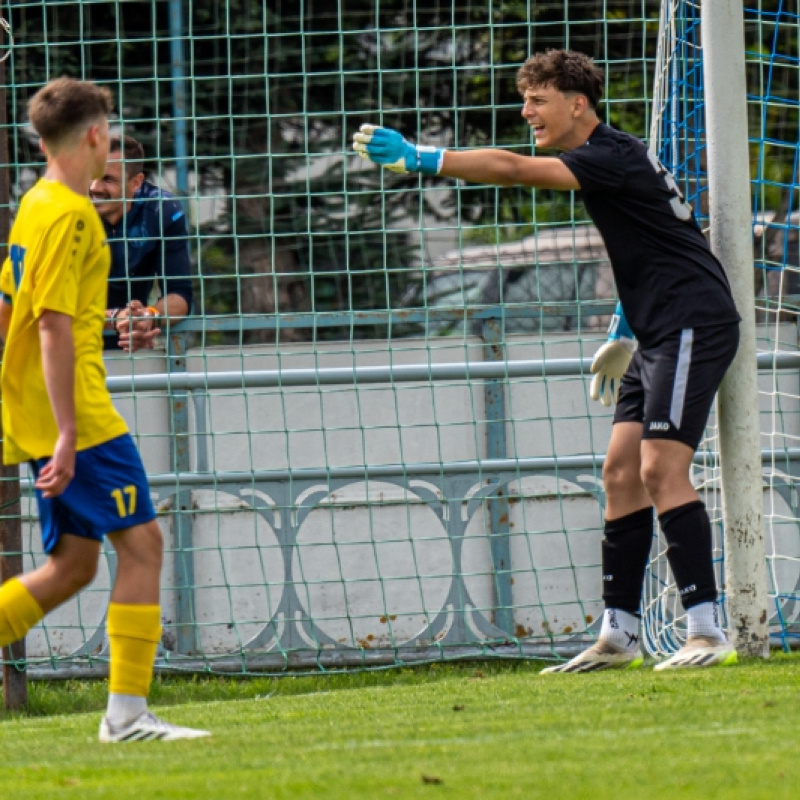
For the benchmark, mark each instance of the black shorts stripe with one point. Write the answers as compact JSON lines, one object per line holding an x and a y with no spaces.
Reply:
{"x":681,"y":377}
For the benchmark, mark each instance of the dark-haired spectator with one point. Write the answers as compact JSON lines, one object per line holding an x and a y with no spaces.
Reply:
{"x":148,"y":237}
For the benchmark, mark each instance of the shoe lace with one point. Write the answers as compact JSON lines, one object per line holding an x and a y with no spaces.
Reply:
{"x":159,"y":724}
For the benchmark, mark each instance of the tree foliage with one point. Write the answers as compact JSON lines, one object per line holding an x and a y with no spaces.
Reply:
{"x":275,"y":90}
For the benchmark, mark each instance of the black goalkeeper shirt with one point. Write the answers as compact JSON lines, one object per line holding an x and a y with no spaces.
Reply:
{"x":666,"y":275}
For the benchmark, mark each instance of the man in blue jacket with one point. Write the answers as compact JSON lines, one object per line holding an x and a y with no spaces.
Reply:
{"x":148,"y":237}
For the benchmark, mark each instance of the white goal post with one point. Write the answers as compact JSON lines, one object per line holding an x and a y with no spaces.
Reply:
{"x":702,"y":120}
{"x":737,"y":402}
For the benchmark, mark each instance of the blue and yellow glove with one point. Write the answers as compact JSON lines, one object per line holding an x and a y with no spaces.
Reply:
{"x":388,"y":148}
{"x":611,"y":361}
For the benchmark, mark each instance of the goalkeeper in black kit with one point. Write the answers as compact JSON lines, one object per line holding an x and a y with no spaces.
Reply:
{"x":674,"y":302}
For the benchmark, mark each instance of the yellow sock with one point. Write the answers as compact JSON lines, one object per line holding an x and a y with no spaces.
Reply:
{"x":134,"y":632}
{"x":19,"y":611}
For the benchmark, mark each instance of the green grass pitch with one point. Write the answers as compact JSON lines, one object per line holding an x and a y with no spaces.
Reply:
{"x":488,"y":730}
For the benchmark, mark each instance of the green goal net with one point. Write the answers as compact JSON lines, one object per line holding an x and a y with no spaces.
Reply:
{"x":678,"y":134}
{"x":371,"y":441}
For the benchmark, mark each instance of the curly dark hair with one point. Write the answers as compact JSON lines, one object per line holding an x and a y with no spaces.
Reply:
{"x":565,"y":70}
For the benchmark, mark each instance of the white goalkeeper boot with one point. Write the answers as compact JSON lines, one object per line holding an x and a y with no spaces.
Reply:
{"x":706,"y":642}
{"x":601,"y":655}
{"x":701,"y":651}
{"x":147,"y":727}
{"x":617,"y":647}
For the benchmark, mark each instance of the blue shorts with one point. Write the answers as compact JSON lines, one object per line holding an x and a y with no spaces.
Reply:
{"x":109,"y":492}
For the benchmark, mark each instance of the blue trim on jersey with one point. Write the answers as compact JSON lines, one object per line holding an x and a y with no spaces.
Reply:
{"x":109,"y":492}
{"x":16,"y":254}
{"x":7,"y":299}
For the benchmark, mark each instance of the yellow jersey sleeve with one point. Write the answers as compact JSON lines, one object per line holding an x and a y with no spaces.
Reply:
{"x":7,"y":279}
{"x":57,"y":272}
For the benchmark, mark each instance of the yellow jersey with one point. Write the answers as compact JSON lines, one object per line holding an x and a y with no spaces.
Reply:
{"x":58,"y":260}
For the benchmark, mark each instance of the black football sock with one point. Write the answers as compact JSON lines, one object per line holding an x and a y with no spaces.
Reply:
{"x":687,"y":531}
{"x":626,"y":550}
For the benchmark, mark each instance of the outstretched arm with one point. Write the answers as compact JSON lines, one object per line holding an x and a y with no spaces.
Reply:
{"x":504,"y":168}
{"x":389,"y":149}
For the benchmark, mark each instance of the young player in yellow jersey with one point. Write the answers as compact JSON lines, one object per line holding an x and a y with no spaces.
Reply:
{"x":58,"y":415}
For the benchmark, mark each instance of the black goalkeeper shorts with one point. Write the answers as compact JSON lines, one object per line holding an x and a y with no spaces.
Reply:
{"x":670,"y":387}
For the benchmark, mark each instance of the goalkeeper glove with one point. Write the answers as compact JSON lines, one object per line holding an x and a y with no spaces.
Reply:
{"x":388,"y":148}
{"x":612,"y":359}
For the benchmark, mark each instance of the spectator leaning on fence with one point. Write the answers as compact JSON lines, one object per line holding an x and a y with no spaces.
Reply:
{"x":58,"y":416}
{"x":146,"y":229}
{"x":677,"y":299}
